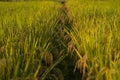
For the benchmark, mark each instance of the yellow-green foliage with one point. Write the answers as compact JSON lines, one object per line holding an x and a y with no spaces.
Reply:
{"x":96,"y":36}
{"x":25,"y":34}
{"x":88,"y":40}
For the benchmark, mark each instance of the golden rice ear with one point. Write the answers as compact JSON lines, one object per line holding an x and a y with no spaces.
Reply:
{"x":81,"y":64}
{"x":117,"y":58}
{"x":70,"y":47}
{"x":48,"y":58}
{"x":2,"y":49}
{"x":2,"y":65}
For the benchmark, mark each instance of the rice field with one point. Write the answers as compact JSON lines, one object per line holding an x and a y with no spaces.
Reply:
{"x":47,"y":40}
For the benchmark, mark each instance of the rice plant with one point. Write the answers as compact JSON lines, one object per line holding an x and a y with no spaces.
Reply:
{"x":49,"y":40}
